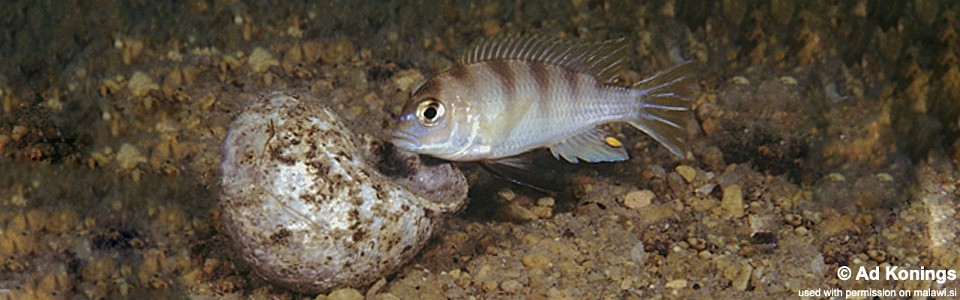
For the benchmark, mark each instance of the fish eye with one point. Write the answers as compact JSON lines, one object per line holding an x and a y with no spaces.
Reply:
{"x":429,"y":111}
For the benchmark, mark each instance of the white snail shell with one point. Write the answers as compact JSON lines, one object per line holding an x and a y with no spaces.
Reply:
{"x":308,"y":206}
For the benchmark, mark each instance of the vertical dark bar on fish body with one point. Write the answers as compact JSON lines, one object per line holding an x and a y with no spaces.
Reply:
{"x":573,"y":83}
{"x":429,"y":88}
{"x":552,"y":85}
{"x":460,"y":74}
{"x":505,"y":76}
{"x":569,"y":85}
{"x":541,"y":77}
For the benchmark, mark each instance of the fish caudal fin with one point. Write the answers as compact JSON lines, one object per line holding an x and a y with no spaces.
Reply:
{"x":664,"y":106}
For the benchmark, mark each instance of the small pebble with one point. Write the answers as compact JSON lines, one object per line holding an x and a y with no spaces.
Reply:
{"x":740,"y":80}
{"x":141,"y":83}
{"x":637,"y":253}
{"x":515,"y":212}
{"x":836,"y":177}
{"x":511,"y":286}
{"x":743,"y":278}
{"x":705,"y":189}
{"x":676,"y":182}
{"x":704,"y":255}
{"x":885,"y":177}
{"x":506,"y":195}
{"x":638,"y":199}
{"x":407,"y":79}
{"x":542,"y":212}
{"x":18,"y":133}
{"x":787,"y":80}
{"x":546,"y":202}
{"x":733,"y":201}
{"x":345,"y":294}
{"x":261,"y":60}
{"x":793,"y":219}
{"x":677,"y":284}
{"x":688,"y":173}
{"x":129,"y":156}
{"x":626,"y":283}
{"x":4,"y":139}
{"x":877,"y":255}
{"x":491,"y":28}
{"x":697,"y":243}
{"x":489,"y":286}
{"x":709,"y":127}
{"x":386,"y":296}
{"x":536,"y":260}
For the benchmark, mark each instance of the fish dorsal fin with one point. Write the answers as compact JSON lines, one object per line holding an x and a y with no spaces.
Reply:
{"x":601,"y":59}
{"x":591,"y":146}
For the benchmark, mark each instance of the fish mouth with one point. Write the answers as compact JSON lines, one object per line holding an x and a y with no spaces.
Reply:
{"x":404,"y":140}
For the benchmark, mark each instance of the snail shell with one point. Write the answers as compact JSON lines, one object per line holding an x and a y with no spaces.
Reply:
{"x":307,"y":201}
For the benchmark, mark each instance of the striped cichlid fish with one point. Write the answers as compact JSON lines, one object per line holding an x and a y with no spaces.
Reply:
{"x":510,"y":95}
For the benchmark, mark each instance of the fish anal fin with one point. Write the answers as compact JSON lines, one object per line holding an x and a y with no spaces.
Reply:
{"x":594,"y":145}
{"x":517,"y":169}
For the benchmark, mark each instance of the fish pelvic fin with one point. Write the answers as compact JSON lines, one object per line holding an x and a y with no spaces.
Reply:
{"x":517,"y":169}
{"x":663,"y":106}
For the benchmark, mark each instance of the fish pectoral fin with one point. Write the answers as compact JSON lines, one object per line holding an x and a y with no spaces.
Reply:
{"x":517,"y":169}
{"x":595,"y":145}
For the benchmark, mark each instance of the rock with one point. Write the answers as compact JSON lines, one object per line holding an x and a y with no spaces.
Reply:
{"x":314,"y":207}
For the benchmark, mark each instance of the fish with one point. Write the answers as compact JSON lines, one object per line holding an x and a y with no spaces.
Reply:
{"x":510,"y":95}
